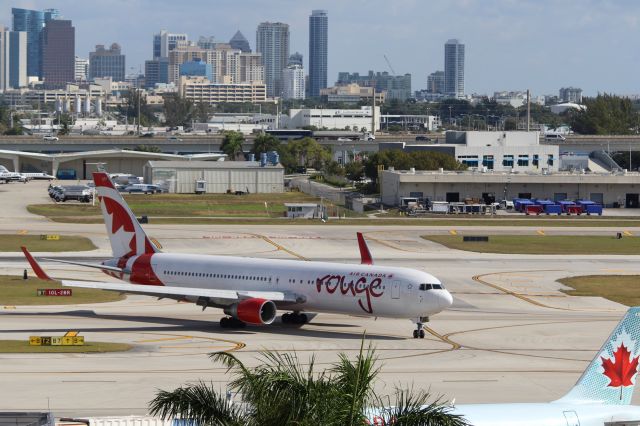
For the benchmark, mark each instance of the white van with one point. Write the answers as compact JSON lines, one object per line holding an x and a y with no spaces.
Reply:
{"x":554,"y":137}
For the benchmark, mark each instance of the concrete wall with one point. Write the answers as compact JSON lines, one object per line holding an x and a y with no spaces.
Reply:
{"x":602,"y":188}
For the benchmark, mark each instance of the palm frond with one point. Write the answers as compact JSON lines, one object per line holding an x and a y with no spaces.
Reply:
{"x":198,"y":403}
{"x":416,"y":408}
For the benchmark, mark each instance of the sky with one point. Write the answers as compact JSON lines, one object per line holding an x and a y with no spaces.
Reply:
{"x":540,"y":45}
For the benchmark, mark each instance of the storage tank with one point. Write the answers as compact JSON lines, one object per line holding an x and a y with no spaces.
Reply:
{"x":78,"y":105}
{"x":58,"y":105}
{"x":99,"y":107}
{"x":87,"y":105}
{"x":66,"y":105}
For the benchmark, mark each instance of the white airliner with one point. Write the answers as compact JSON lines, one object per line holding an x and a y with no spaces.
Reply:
{"x":251,"y":290}
{"x":601,"y":396}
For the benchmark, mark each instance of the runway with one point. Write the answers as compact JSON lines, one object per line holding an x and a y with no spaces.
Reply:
{"x":511,"y":335}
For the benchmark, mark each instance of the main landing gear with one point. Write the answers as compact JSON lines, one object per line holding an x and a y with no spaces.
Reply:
{"x":294,"y":318}
{"x":419,"y":331}
{"x":230,"y":322}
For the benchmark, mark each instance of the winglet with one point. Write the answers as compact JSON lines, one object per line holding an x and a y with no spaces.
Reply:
{"x":40,"y":273}
{"x":365,"y":254}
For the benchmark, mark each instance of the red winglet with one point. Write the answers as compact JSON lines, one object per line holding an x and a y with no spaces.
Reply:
{"x":40,"y":273}
{"x":365,"y":254}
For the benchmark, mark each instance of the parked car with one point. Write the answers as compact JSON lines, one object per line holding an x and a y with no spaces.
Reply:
{"x":50,"y":138}
{"x":141,"y":188}
{"x":80,"y":193}
{"x":422,"y":138}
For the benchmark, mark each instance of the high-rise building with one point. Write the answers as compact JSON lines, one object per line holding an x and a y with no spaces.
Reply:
{"x":207,"y":42}
{"x":156,"y":71}
{"x":571,"y":94}
{"x":397,"y":86}
{"x":454,"y":68}
{"x":182,"y":54}
{"x":295,"y":59}
{"x":32,"y":22}
{"x":107,"y":63}
{"x":272,"y":40}
{"x":240,"y":42}
{"x":13,"y":59}
{"x":58,"y":53}
{"x":318,"y":51}
{"x":293,"y":79}
{"x":435,"y":82}
{"x":197,"y":68}
{"x":82,"y":69}
{"x":164,"y":42}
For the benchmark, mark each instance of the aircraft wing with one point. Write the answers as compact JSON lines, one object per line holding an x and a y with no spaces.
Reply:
{"x":173,"y":292}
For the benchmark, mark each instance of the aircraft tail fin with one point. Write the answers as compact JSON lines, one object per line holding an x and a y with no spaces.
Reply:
{"x":610,"y":378}
{"x":40,"y":273}
{"x":126,"y":236}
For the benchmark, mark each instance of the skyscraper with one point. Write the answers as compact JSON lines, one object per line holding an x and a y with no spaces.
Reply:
{"x":164,"y":42}
{"x":293,"y":82}
{"x":32,"y":22}
{"x":58,"y":53}
{"x":295,"y":59}
{"x":82,"y":69}
{"x":239,"y":41}
{"x":435,"y":82}
{"x":318,"y":50}
{"x":454,"y":68}
{"x":272,"y":40}
{"x":107,"y":63}
{"x":13,"y":59}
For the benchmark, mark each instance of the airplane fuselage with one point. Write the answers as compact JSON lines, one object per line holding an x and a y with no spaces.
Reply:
{"x":546,"y":414}
{"x":366,"y":290}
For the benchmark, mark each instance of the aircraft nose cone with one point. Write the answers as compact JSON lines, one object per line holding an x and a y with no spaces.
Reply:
{"x":446,"y":300}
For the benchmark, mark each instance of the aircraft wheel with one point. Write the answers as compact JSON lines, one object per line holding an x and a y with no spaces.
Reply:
{"x":286,"y":318}
{"x":421,"y":334}
{"x":224,"y":322}
{"x":415,"y":334}
{"x":301,"y":319}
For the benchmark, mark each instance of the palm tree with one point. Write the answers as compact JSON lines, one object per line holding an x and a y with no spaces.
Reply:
{"x":265,"y":143}
{"x":281,"y":391}
{"x":232,"y":144}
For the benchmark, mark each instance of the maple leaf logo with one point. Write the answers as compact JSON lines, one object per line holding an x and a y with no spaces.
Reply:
{"x":622,"y":369}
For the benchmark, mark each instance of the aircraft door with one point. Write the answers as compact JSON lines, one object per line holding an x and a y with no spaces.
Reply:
{"x":572,"y":418}
{"x":395,"y":290}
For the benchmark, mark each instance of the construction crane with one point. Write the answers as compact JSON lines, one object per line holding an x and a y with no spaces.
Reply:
{"x":389,"y":64}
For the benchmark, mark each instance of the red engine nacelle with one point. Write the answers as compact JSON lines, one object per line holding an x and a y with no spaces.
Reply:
{"x":253,"y":311}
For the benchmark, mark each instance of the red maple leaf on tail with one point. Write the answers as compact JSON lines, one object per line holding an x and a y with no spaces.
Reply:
{"x":621,"y":371}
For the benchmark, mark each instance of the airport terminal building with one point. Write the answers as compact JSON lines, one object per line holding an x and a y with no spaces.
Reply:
{"x":610,"y":189}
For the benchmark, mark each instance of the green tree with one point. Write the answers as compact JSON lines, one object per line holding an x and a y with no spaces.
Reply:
{"x":309,"y":153}
{"x":232,"y":145}
{"x":354,"y":170}
{"x":605,"y":115}
{"x":129,"y":107}
{"x":265,"y":143}
{"x":280,"y":390}
{"x":64,"y":121}
{"x":420,"y":160}
{"x":202,"y":112}
{"x":178,"y":111}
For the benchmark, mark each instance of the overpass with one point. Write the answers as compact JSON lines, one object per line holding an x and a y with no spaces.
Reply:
{"x":211,"y":143}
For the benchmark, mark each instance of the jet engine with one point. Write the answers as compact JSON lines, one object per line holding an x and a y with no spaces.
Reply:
{"x":253,"y":311}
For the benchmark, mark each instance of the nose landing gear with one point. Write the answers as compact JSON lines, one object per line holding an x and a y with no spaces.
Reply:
{"x":419,"y":331}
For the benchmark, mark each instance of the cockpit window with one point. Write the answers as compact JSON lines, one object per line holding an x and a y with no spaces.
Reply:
{"x":426,"y":287}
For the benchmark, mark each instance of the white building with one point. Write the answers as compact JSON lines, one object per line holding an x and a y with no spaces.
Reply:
{"x":13,"y":59}
{"x":508,"y":151}
{"x":82,"y":69}
{"x":293,"y":80}
{"x":561,"y":108}
{"x":334,"y":118}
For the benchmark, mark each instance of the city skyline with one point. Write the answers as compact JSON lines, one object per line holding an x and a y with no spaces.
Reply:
{"x":511,"y":45}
